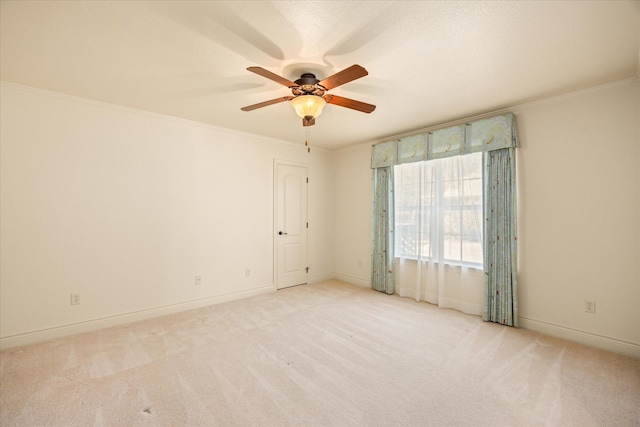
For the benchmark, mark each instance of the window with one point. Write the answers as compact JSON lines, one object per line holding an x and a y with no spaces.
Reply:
{"x":438,"y":210}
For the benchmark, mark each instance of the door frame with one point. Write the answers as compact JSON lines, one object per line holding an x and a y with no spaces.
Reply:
{"x":276,"y":164}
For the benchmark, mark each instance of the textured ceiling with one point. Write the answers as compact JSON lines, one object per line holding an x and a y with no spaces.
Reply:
{"x":428,"y":62}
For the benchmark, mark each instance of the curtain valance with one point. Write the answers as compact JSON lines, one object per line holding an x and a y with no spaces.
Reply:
{"x":492,"y":133}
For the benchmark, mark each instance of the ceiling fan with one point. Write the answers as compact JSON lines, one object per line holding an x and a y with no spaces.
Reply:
{"x":309,"y":94}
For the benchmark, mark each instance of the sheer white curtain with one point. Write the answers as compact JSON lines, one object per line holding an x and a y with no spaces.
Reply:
{"x":438,"y":232}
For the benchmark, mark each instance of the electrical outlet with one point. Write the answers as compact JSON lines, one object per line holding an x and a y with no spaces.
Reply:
{"x":75,"y":299}
{"x":590,"y":306}
{"x":247,"y":272}
{"x":198,"y":280}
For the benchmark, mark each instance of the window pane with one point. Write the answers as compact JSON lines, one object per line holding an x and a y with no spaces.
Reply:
{"x":472,"y":252}
{"x":451,"y":222}
{"x":407,"y":208}
{"x":472,"y":165}
{"x":452,"y":248}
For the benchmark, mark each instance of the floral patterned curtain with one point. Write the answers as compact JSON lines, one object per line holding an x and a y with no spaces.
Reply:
{"x":501,"y":238}
{"x":382,"y":275}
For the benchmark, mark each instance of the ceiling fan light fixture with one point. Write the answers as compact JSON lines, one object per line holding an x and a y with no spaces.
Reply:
{"x":308,"y":105}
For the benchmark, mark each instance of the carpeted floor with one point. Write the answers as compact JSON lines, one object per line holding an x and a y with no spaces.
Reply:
{"x":326,"y":354}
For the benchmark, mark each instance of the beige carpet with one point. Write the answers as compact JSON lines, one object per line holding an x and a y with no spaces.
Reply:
{"x":326,"y":354}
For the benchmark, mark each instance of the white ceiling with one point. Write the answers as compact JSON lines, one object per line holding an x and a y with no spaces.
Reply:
{"x":429,"y":62}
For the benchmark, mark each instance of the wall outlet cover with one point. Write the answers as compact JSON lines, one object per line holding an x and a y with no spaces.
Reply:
{"x":590,"y":306}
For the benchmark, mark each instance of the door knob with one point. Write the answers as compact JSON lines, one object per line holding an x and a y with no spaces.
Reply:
{"x":281,"y":233}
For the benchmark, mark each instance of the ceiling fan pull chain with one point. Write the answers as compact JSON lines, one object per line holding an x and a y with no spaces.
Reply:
{"x":306,"y":140}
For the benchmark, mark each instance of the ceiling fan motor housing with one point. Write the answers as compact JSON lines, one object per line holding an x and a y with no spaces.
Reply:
{"x":308,"y":85}
{"x":307,"y":79}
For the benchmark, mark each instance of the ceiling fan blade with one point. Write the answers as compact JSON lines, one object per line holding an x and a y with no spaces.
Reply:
{"x":268,"y":74}
{"x":345,"y":76}
{"x":266,"y":103}
{"x":349,"y":103}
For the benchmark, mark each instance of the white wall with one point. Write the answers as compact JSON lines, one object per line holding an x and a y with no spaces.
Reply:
{"x":352,"y":201}
{"x":579,"y":211}
{"x":126,"y":208}
{"x":579,"y":216}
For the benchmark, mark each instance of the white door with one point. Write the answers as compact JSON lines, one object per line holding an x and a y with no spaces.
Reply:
{"x":291,"y":225}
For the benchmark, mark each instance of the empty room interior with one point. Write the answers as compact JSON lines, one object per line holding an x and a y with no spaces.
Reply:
{"x":444,"y":229}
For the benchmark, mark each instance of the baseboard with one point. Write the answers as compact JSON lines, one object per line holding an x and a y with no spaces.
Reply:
{"x":106,"y":322}
{"x":321,"y":278}
{"x":613,"y":345}
{"x":598,"y":341}
{"x":357,"y":281}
